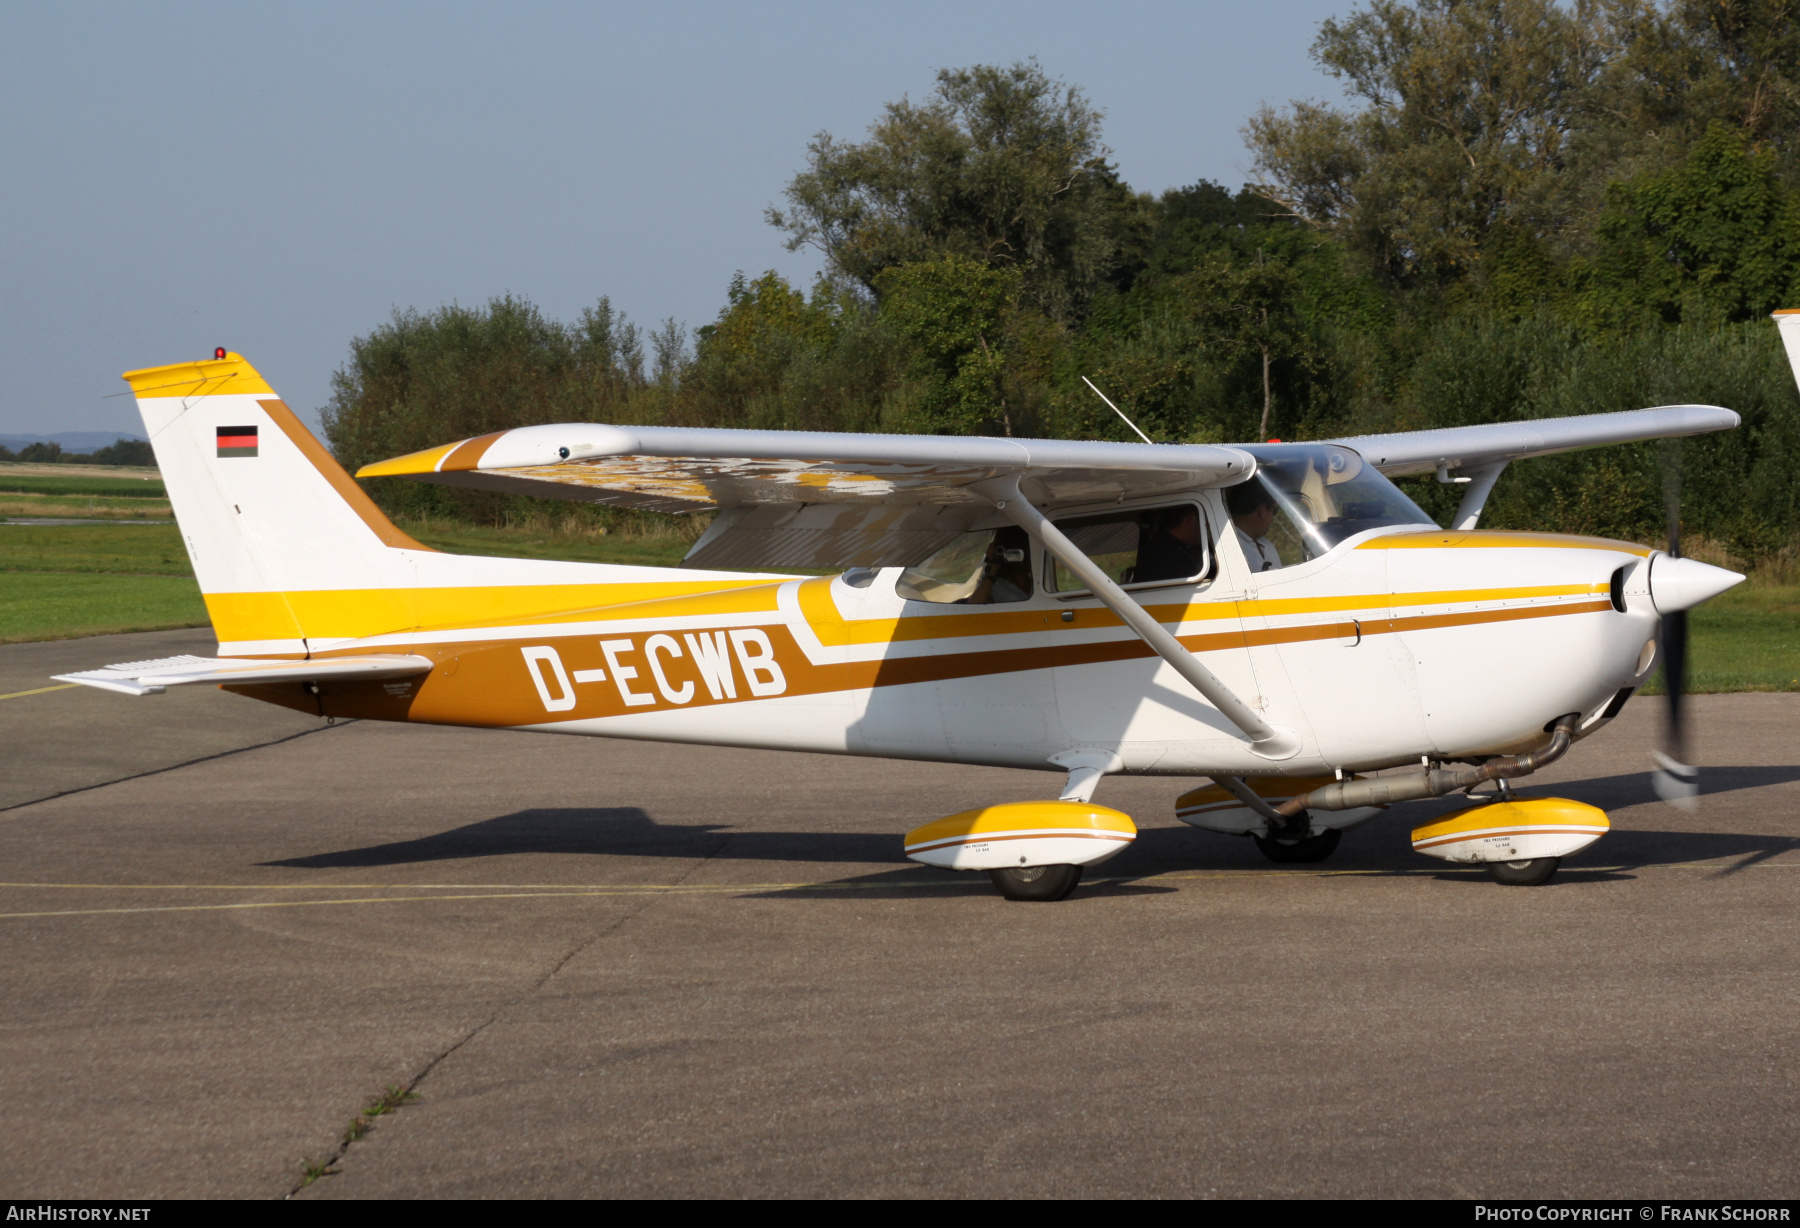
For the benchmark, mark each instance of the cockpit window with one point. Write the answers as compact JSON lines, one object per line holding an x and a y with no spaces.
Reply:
{"x":986,"y":567}
{"x":1326,"y":493}
{"x":1146,"y":546}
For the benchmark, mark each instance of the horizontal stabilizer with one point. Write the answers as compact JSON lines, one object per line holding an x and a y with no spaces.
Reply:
{"x":153,"y":677}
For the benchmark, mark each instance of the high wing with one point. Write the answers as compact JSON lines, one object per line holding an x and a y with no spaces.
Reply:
{"x":806,"y":499}
{"x":1473,"y":447}
{"x":800,"y":499}
{"x":155,"y":676}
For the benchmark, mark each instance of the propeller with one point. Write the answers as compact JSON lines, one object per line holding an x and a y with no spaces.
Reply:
{"x":1675,"y":780}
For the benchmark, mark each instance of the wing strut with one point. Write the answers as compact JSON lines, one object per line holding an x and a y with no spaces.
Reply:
{"x":1481,"y":481}
{"x":1269,"y":741}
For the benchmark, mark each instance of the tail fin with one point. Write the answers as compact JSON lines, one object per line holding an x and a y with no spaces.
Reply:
{"x":264,"y":509}
{"x":1788,"y":323}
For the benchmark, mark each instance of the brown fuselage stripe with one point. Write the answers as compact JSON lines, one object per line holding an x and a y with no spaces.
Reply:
{"x":941,"y":668}
{"x":485,"y":684}
{"x":1500,"y":833}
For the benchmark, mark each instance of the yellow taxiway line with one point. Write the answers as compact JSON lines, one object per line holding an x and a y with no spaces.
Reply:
{"x":43,"y":690}
{"x":526,"y":891}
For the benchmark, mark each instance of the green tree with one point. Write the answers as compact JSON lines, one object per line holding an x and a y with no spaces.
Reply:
{"x":1715,"y":238}
{"x":1468,"y":109}
{"x":775,"y":359}
{"x":1000,"y":166}
{"x":424,"y":379}
{"x":957,"y":314}
{"x":1221,"y":351}
{"x":125,"y":452}
{"x":1694,"y":63}
{"x":1249,"y":312}
{"x":743,"y":359}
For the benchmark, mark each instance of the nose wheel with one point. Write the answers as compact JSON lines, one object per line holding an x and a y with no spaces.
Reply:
{"x":1036,"y":882}
{"x":1524,"y":873}
{"x":1307,"y":848}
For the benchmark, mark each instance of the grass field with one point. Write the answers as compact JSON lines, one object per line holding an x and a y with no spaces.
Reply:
{"x":59,"y":581}
{"x":1746,"y":640}
{"x":62,"y":581}
{"x":116,"y":549}
{"x":19,"y":480}
{"x":47,"y":605}
{"x":90,"y":492}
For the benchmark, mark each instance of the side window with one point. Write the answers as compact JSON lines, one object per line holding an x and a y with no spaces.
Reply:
{"x":986,"y":567}
{"x":1158,"y":545}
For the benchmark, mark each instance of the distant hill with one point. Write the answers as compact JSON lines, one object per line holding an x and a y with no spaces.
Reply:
{"x":71,"y":441}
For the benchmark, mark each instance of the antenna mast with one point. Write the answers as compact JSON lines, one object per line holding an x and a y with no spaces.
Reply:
{"x":1128,"y":422}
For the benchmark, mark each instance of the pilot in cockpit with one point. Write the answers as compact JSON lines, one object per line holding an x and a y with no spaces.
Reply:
{"x":1005,"y":569}
{"x":1252,"y":510}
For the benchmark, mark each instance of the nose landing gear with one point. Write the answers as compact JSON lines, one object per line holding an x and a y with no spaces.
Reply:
{"x":1521,"y":841}
{"x":1044,"y":883}
{"x":1524,"y":873}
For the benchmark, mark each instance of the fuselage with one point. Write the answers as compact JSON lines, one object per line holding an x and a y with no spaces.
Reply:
{"x":1394,"y":644}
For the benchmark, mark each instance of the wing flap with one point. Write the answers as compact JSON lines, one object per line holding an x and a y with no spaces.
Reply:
{"x":155,"y":676}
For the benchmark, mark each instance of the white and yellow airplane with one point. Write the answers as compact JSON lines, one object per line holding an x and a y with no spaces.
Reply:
{"x":1280,"y":618}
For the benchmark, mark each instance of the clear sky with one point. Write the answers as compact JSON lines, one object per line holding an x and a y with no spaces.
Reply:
{"x":278,"y":179}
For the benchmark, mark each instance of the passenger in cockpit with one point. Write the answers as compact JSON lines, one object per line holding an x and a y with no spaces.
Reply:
{"x":1252,"y":510}
{"x":1174,"y":552}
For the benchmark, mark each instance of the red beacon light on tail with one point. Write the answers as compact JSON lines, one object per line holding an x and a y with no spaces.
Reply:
{"x":218,"y":351}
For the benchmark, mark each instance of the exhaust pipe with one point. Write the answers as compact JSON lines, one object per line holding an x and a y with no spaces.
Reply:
{"x":1414,"y":786}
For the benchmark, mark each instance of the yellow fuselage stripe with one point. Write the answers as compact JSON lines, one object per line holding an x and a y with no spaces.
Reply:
{"x":358,"y":613}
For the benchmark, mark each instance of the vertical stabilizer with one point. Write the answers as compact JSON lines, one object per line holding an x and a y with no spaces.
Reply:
{"x":263,"y":508}
{"x":1788,"y":321}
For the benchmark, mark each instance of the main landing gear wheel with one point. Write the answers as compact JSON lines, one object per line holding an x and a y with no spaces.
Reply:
{"x":1311,"y":848}
{"x":1036,"y":882}
{"x":1524,"y":873}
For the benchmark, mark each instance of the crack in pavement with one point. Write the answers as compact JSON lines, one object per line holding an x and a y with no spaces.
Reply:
{"x":411,"y":1086}
{"x":174,"y":767}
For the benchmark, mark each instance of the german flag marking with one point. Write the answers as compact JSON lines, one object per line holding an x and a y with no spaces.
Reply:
{"x":237,"y":441}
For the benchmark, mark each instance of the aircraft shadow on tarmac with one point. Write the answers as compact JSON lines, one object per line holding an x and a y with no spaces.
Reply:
{"x":630,"y":832}
{"x":625,"y":831}
{"x":1376,"y":848}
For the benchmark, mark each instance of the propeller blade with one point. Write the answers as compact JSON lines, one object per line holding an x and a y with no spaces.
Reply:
{"x":1675,"y":780}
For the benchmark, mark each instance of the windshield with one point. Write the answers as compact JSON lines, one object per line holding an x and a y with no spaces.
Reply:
{"x":1326,"y":493}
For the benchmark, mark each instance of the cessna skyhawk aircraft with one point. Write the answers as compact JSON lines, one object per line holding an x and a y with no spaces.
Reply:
{"x":1280,"y":618}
